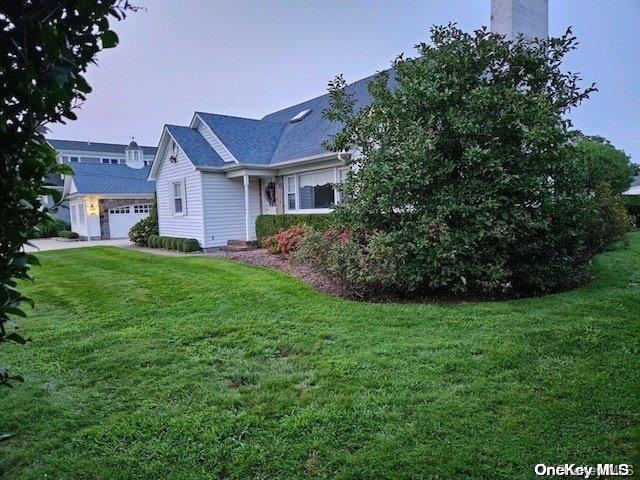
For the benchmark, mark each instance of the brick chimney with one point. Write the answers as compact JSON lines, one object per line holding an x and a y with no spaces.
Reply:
{"x":512,"y":17}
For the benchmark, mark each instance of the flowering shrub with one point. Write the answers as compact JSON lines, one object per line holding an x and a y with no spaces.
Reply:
{"x":288,"y":239}
{"x":270,"y":243}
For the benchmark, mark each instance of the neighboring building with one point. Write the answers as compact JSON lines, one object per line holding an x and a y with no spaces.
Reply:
{"x":109,"y":191}
{"x":634,"y":188}
{"x":216,"y":175}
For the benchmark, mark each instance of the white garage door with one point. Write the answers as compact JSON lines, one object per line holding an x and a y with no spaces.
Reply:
{"x":121,"y":219}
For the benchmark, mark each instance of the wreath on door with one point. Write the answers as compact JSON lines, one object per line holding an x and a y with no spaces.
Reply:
{"x":270,"y":192}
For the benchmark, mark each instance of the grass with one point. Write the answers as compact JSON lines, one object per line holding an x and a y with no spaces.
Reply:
{"x":149,"y":367}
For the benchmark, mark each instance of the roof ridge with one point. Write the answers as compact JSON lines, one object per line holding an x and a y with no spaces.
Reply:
{"x":92,"y":142}
{"x":260,"y":120}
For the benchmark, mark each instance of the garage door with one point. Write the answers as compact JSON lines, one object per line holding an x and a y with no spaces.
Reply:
{"x":121,"y":219}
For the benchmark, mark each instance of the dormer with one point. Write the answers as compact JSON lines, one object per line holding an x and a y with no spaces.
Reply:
{"x":134,"y":155}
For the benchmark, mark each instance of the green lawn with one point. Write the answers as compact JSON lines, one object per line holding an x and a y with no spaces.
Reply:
{"x":152,"y":367}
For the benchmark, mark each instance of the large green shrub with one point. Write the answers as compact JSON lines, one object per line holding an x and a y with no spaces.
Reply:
{"x":139,"y":233}
{"x":49,"y":227}
{"x":598,"y":161}
{"x":267,"y":225}
{"x":464,"y":168}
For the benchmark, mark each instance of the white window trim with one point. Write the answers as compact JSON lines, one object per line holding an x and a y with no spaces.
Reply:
{"x":183,"y":197}
{"x":336,"y":194}
{"x":81,"y":214}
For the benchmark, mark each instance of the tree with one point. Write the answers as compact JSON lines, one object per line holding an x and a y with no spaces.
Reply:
{"x":600,"y":161}
{"x":45,"y":48}
{"x":464,"y":165}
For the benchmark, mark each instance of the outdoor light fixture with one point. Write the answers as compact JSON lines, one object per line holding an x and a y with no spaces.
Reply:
{"x":92,"y":207}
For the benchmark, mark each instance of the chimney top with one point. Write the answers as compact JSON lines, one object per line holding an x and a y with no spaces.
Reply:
{"x":527,"y":17}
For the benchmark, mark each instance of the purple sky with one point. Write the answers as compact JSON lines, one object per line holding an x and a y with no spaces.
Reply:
{"x":253,"y":57}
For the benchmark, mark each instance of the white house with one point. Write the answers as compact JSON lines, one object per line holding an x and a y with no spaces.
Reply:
{"x":216,"y":175}
{"x":75,"y":152}
{"x":109,"y":191}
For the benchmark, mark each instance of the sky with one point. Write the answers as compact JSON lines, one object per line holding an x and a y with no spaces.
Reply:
{"x":249,"y":58}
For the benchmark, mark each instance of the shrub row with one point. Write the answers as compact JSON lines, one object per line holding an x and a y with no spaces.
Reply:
{"x":68,"y":234}
{"x":268,"y":225}
{"x":173,"y":243}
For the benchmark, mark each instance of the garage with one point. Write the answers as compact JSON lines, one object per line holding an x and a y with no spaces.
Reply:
{"x":122,"y":218}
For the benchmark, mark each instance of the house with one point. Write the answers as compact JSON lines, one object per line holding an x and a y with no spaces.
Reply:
{"x":109,"y":191}
{"x":73,"y":152}
{"x":634,"y":188}
{"x":217,"y":174}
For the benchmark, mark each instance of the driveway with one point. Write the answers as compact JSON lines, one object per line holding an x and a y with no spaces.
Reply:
{"x":43,"y":244}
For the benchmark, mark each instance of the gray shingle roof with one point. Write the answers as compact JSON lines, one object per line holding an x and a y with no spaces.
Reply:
{"x":635,"y":182}
{"x":305,"y":138}
{"x":113,"y":179}
{"x":95,"y":146}
{"x":274,"y":138}
{"x":195,"y":146}
{"x":249,"y":140}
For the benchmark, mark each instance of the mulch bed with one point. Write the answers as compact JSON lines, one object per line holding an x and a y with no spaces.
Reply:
{"x":307,"y":274}
{"x":336,"y":287}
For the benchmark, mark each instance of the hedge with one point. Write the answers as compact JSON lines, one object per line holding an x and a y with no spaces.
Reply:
{"x":174,"y":243}
{"x":68,"y":234}
{"x":632,"y":203}
{"x":267,"y":225}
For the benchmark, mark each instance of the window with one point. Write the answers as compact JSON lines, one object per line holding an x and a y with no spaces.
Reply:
{"x":74,"y":215}
{"x":141,"y":208}
{"x":179,"y":200}
{"x":315,"y":190}
{"x":110,"y":160}
{"x":291,"y":193}
{"x":74,"y":159}
{"x":65,"y":159}
{"x":80,"y":208}
{"x":119,"y":210}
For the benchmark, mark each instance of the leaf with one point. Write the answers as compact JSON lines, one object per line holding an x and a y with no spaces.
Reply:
{"x":109,"y":39}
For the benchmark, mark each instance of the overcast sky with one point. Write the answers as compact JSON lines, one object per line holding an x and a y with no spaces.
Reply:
{"x":249,"y":58}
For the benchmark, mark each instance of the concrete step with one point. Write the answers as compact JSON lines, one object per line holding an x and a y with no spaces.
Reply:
{"x":242,"y":243}
{"x":237,"y":248}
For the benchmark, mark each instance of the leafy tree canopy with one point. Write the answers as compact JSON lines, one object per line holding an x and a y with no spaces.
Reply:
{"x":45,"y":48}
{"x":464,"y":164}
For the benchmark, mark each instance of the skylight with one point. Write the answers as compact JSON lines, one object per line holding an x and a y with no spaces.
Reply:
{"x":301,"y":115}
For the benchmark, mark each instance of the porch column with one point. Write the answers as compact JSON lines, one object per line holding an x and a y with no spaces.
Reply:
{"x":245,"y":180}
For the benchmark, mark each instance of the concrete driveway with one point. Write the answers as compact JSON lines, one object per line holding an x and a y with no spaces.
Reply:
{"x":44,"y":244}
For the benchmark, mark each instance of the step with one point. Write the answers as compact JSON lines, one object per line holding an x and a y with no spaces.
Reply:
{"x":243,"y":243}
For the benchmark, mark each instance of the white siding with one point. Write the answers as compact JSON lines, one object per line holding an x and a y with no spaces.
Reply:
{"x":512,"y":17}
{"x":215,"y":142}
{"x":224,"y":208}
{"x":190,"y":224}
{"x":91,"y":225}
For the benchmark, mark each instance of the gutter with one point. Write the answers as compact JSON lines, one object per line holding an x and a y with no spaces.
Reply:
{"x":272,"y":166}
